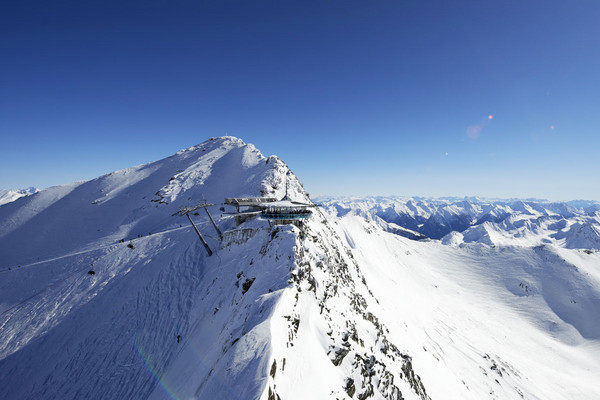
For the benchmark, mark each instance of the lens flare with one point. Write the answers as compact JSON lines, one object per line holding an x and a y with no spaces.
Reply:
{"x":152,"y":370}
{"x":225,"y":384}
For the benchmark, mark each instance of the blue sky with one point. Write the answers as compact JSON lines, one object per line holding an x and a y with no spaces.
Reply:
{"x":384,"y":97}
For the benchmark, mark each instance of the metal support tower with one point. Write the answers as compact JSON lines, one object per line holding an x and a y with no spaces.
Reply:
{"x":187,"y":210}
{"x":213,"y":221}
{"x":208,"y":250}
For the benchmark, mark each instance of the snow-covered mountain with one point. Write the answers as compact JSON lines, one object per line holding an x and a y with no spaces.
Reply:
{"x":105,"y":294}
{"x":575,"y":225}
{"x":8,"y":195}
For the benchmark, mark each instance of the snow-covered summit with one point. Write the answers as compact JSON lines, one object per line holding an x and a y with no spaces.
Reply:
{"x":135,"y":201}
{"x":99,"y":279}
{"x":105,"y":293}
{"x":8,"y":195}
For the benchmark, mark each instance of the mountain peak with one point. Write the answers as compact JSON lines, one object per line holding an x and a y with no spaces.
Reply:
{"x":107,"y":292}
{"x":214,"y":142}
{"x":8,"y":195}
{"x":141,"y":199}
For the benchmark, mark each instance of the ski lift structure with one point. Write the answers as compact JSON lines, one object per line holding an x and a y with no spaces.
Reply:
{"x":277,"y":212}
{"x":285,"y":212}
{"x":187,"y":210}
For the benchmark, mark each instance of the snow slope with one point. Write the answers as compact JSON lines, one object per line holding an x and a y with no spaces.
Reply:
{"x":131,"y":202}
{"x":68,"y":334}
{"x":493,"y":222}
{"x":487,"y":322}
{"x":345,"y":306}
{"x":7,"y":195}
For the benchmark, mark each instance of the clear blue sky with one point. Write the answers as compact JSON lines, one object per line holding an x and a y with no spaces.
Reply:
{"x":358,"y":97}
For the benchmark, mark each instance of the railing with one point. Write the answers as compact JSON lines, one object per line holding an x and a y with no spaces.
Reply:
{"x":286,"y":215}
{"x":242,"y":201}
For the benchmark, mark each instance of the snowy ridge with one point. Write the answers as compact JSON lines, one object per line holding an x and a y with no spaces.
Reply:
{"x":7,"y":196}
{"x":493,"y":222}
{"x":486,"y":322}
{"x":131,"y":202}
{"x":68,"y":334}
{"x":330,"y":326}
{"x":105,"y":294}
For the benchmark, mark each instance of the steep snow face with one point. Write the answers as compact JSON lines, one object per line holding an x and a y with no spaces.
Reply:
{"x":492,"y":222}
{"x":506,"y":308}
{"x":160,"y":320}
{"x":86,"y":315}
{"x":135,"y":201}
{"x":8,"y":196}
{"x":328,"y":338}
{"x":584,"y":235}
{"x":336,"y":308}
{"x":485,"y":322}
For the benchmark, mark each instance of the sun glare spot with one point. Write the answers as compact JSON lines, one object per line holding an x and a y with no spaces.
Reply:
{"x":490,"y":116}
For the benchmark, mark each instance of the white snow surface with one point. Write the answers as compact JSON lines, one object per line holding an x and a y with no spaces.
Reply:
{"x":9,"y":195}
{"x":574,"y":225}
{"x":345,"y":306}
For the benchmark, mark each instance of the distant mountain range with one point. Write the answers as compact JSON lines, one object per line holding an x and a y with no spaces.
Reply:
{"x":574,"y":225}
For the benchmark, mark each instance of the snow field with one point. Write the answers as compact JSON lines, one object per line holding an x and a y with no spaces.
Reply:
{"x":338,"y":308}
{"x":456,"y":306}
